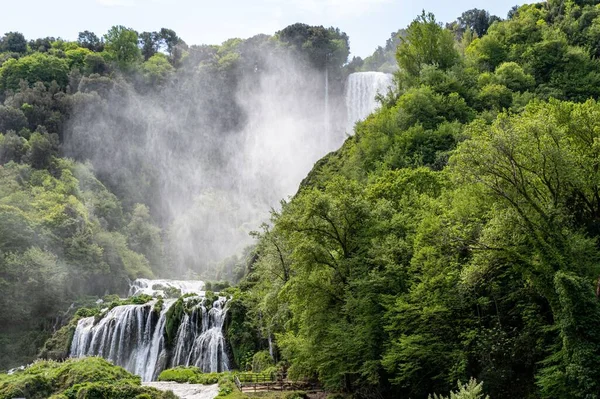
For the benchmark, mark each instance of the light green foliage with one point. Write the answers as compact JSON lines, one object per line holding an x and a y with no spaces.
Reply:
{"x":37,"y":67}
{"x":470,"y":390}
{"x":77,"y":57}
{"x":495,"y":96}
{"x":426,"y":43}
{"x":261,"y":361}
{"x":76,"y":378}
{"x":122,"y":44}
{"x":191,"y":375}
{"x":157,"y":69}
{"x":488,"y":52}
{"x":512,"y":75}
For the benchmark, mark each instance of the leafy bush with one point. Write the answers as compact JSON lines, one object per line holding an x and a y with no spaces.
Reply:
{"x":190,"y":374}
{"x":470,"y":390}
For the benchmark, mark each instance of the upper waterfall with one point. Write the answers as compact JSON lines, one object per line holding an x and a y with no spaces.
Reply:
{"x":137,"y":338}
{"x":361,"y":90}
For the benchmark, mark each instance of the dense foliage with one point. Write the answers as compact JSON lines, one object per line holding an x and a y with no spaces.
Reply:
{"x":82,"y":378}
{"x":455,"y":235}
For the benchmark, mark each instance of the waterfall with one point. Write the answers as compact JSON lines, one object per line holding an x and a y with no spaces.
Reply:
{"x":361,"y":90}
{"x":200,"y":341}
{"x":133,"y":336}
{"x":326,"y":102}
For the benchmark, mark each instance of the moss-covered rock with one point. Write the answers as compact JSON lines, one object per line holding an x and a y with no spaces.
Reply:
{"x":174,"y":316}
{"x":57,"y":347}
{"x":76,"y":379}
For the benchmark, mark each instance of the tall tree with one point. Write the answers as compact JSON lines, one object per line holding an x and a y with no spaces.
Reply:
{"x":122,"y":42}
{"x":426,"y":43}
{"x":150,"y":43}
{"x":14,"y":42}
{"x":477,"y":20}
{"x":90,"y":41}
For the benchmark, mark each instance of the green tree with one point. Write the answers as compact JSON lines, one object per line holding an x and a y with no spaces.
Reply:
{"x":13,"y":42}
{"x":90,"y":41}
{"x":37,"y":67}
{"x":11,"y":119}
{"x":477,"y":21}
{"x":157,"y":69}
{"x":150,"y":43}
{"x":426,"y":43}
{"x":143,"y":236}
{"x":43,"y":147}
{"x":122,"y":43}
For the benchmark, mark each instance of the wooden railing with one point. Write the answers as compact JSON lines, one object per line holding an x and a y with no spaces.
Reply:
{"x":271,"y":382}
{"x":256,"y":378}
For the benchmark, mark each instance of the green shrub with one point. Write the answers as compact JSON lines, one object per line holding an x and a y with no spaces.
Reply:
{"x":192,"y":375}
{"x":470,"y":390}
{"x":179,"y":374}
{"x":261,"y":361}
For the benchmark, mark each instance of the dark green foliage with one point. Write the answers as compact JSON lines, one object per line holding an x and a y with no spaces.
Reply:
{"x":13,"y":42}
{"x":11,"y":119}
{"x":322,"y":46}
{"x":58,"y":346}
{"x":477,"y":21}
{"x":217,"y":285}
{"x":241,"y":333}
{"x":572,"y":371}
{"x":90,"y":41}
{"x":12,"y":148}
{"x":174,"y":316}
{"x":42,"y":148}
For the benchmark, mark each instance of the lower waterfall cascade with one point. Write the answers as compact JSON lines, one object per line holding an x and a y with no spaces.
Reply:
{"x":135,"y":336}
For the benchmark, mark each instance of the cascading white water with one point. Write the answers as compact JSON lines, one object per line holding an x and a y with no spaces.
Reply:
{"x":200,"y":341}
{"x":133,"y":336}
{"x":158,"y":287}
{"x":361,"y":90}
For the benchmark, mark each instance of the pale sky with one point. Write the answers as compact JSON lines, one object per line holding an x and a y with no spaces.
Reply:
{"x":368,"y":22}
